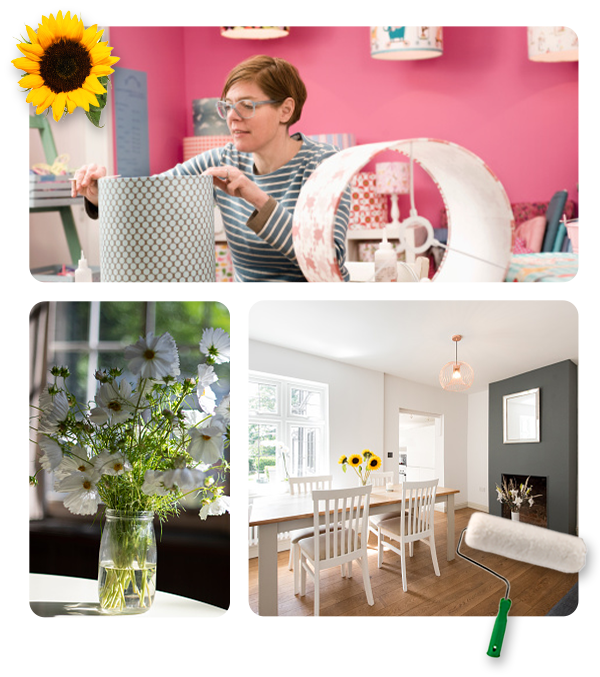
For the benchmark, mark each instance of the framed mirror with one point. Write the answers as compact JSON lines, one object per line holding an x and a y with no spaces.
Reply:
{"x":522,"y":417}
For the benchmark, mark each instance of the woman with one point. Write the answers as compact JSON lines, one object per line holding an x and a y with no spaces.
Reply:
{"x":259,"y":175}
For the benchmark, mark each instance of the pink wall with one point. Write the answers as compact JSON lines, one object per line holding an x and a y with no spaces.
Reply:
{"x":483,"y":93}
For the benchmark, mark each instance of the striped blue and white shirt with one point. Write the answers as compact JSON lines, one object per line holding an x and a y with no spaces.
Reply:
{"x":268,"y":255}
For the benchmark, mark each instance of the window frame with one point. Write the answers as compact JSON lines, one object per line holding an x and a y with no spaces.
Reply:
{"x":286,"y":420}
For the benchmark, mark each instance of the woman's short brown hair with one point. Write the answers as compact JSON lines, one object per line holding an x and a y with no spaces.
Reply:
{"x":277,"y":78}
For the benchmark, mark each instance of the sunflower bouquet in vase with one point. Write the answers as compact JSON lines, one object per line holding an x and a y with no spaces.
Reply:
{"x":135,"y":452}
{"x":362,"y":464}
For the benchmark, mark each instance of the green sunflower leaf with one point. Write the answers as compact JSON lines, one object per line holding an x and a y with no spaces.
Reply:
{"x":93,"y":115}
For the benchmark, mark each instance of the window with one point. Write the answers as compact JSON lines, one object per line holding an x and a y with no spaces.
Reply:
{"x":287,"y":435}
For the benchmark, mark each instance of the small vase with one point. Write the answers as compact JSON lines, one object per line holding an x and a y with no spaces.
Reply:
{"x":127,"y":563}
{"x":515,"y":516}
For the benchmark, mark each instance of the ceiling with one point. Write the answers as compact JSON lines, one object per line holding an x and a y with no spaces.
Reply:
{"x":413,"y":339}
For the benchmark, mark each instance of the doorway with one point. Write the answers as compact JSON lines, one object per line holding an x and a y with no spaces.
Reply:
{"x":420,"y":446}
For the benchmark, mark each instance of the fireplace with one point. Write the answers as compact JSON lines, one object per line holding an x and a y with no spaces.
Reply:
{"x":537,"y":513}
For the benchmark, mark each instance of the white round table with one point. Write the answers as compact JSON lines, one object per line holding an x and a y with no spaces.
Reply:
{"x":69,"y":596}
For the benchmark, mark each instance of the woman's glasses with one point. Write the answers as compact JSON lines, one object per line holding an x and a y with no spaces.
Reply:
{"x":244,"y":108}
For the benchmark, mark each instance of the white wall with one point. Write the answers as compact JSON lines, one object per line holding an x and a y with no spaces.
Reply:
{"x":402,"y":394}
{"x":477,"y":451}
{"x":356,"y":408}
{"x":364,"y":407}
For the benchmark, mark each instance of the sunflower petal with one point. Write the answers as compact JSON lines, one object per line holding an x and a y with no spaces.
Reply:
{"x":78,"y":97}
{"x":58,"y":106}
{"x":93,"y":85}
{"x":71,"y":105}
{"x":101,"y":70}
{"x":48,"y":101}
{"x":33,"y":38}
{"x":45,"y":36}
{"x":39,"y":95}
{"x":91,"y":35}
{"x":31,"y":81}
{"x":33,"y":52}
{"x":27,"y":65}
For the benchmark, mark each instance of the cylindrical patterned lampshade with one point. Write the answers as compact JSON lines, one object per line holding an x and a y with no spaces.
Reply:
{"x":456,"y":376}
{"x":552,"y":43}
{"x":194,"y":145}
{"x":254,"y":32}
{"x":157,"y":229}
{"x":406,"y":42}
{"x":392,"y":178}
{"x":206,"y":119}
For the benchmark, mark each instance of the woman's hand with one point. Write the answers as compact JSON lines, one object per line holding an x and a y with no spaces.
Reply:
{"x":85,"y":182}
{"x":235,"y":183}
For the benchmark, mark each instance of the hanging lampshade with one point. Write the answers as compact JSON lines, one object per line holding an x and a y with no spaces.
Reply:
{"x":406,"y":42}
{"x":254,"y":32}
{"x":456,"y":376}
{"x":552,"y":44}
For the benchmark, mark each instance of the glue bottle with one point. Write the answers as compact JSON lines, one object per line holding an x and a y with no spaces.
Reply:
{"x":83,"y":272}
{"x":386,"y":262}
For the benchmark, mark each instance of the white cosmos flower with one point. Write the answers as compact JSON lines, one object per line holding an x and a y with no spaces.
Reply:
{"x":77,"y":462}
{"x":207,"y":399}
{"x":215,"y":345}
{"x":153,"y":356}
{"x":55,"y":409}
{"x":206,"y":375}
{"x":163,"y":482}
{"x":222,"y":411}
{"x":83,"y":495}
{"x":116,"y":403}
{"x":52,"y":456}
{"x":218,"y":507}
{"x":106,"y":463}
{"x":206,"y":444}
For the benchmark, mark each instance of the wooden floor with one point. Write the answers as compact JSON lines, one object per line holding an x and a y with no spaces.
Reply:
{"x":462,"y":589}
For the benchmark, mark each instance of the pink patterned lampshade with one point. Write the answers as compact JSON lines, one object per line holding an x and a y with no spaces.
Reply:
{"x":406,"y":42}
{"x":254,"y":32}
{"x":552,"y":43}
{"x":392,"y":178}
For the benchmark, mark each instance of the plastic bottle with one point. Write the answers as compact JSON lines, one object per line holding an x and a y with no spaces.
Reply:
{"x":386,"y":262}
{"x":83,"y":272}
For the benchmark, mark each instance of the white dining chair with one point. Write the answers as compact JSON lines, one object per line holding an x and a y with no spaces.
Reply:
{"x":299,"y":486}
{"x":417,"y":524}
{"x":345,"y":515}
{"x":378,"y":480}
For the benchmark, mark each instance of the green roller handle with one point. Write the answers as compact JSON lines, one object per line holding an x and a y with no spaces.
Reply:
{"x":499,"y":628}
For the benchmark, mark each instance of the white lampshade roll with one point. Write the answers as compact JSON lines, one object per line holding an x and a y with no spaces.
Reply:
{"x":157,"y":229}
{"x":552,"y":43}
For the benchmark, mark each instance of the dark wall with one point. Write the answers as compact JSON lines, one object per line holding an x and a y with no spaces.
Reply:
{"x":555,"y":456}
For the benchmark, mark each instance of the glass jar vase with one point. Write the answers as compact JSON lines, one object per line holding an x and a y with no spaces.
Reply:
{"x":127,"y":563}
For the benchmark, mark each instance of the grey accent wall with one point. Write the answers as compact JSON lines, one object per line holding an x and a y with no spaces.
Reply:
{"x":555,"y":456}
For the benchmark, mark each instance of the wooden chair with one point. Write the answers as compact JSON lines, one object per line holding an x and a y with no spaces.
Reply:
{"x":298,"y":486}
{"x":345,"y":513}
{"x":416,"y":525}
{"x":380,"y":479}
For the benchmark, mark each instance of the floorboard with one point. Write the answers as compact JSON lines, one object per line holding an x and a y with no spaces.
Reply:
{"x":462,"y":589}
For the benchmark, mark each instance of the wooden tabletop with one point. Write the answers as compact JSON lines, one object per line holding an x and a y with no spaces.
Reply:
{"x":284,"y":507}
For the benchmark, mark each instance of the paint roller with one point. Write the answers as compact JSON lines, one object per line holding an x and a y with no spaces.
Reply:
{"x":525,"y":543}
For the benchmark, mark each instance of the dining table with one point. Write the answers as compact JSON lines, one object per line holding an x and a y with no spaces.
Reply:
{"x":286,"y":512}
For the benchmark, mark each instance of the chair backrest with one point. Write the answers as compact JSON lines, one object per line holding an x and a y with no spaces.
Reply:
{"x":418,"y":499}
{"x":305,"y":485}
{"x":380,"y":479}
{"x":346,"y":516}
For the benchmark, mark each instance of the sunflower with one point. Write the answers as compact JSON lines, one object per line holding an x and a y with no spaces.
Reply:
{"x":65,"y":64}
{"x":343,"y":459}
{"x":374,"y":462}
{"x":355,"y":459}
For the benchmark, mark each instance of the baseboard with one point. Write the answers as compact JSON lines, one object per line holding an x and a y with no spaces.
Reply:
{"x":477,"y":506}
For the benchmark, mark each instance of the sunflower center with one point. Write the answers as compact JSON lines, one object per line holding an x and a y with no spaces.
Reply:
{"x":65,"y":66}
